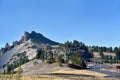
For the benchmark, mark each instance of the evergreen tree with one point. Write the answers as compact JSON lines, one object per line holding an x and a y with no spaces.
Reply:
{"x":77,"y":59}
{"x":101,"y":54}
{"x":40,"y":54}
{"x":51,"y":59}
{"x":60,"y":59}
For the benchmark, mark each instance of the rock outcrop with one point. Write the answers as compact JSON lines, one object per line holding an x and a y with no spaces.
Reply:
{"x":25,"y":37}
{"x":37,"y":37}
{"x":29,"y":43}
{"x":15,"y":43}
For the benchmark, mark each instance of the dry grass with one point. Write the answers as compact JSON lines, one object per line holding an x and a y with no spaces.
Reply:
{"x":50,"y":77}
{"x":30,"y":77}
{"x":61,"y":74}
{"x":79,"y":72}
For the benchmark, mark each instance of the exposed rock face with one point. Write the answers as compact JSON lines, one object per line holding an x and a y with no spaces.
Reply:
{"x":2,"y":50}
{"x":7,"y":45}
{"x":6,"y":48}
{"x":33,"y":36}
{"x":7,"y":57}
{"x":25,"y":37}
{"x":36,"y":37}
{"x":15,"y":43}
{"x":29,"y":43}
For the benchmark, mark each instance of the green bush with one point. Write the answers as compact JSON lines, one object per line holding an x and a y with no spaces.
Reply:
{"x":60,"y":59}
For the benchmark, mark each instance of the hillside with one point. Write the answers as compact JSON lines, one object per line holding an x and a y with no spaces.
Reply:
{"x":26,"y":47}
{"x":37,"y":54}
{"x":7,"y":56}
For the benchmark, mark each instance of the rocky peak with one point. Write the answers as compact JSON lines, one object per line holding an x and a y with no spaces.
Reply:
{"x":25,"y":37}
{"x":6,"y":48}
{"x":26,"y":33}
{"x":36,"y":37}
{"x":33,"y":32}
{"x":7,"y":45}
{"x":15,"y":43}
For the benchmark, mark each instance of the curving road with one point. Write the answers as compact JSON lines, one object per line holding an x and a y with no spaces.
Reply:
{"x":110,"y":74}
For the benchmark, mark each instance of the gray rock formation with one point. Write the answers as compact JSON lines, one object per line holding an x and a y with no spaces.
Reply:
{"x":15,"y":43}
{"x":25,"y":37}
{"x":37,"y":37}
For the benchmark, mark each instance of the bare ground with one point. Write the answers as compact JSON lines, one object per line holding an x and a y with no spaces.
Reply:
{"x":44,"y":68}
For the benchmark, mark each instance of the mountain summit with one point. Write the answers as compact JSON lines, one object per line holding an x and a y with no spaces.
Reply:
{"x":27,"y":46}
{"x":37,"y":37}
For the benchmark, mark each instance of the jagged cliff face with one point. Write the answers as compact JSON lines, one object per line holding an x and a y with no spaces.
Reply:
{"x":37,"y":37}
{"x":28,"y":44}
{"x":33,"y":36}
{"x":15,"y":43}
{"x":26,"y":47}
{"x":6,"y":48}
{"x":25,"y":37}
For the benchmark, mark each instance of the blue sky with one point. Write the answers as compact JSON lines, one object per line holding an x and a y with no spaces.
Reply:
{"x":94,"y":22}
